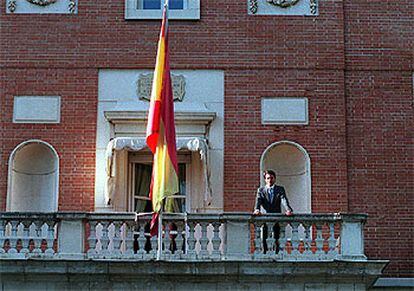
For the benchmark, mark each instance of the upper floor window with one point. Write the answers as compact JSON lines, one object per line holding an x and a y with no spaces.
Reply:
{"x":152,"y":9}
{"x":157,"y":4}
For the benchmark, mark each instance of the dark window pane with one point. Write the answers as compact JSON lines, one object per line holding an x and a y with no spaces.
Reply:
{"x":157,"y":4}
{"x":176,"y":4}
{"x":152,"y":4}
{"x":143,"y":205}
{"x":143,"y":174}
{"x":175,"y":205}
{"x":181,"y":179}
{"x":142,"y":179}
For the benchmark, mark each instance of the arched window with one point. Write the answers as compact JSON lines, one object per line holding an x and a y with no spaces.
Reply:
{"x":291,"y":163}
{"x":33,"y":178}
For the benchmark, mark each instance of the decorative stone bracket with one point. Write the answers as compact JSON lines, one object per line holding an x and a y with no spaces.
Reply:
{"x":11,"y":5}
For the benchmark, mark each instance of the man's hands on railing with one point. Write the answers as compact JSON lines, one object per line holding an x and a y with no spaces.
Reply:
{"x":257,"y":212}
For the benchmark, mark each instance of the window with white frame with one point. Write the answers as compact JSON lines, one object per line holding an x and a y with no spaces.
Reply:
{"x":140,"y":170}
{"x":152,"y":9}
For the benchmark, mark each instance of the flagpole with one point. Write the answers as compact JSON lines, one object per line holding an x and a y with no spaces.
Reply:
{"x":166,"y":13}
{"x":159,"y":250}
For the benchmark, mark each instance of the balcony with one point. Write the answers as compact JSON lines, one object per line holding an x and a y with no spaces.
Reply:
{"x":325,"y":248}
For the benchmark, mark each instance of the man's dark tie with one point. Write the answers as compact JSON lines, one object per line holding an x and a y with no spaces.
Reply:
{"x":271,"y":193}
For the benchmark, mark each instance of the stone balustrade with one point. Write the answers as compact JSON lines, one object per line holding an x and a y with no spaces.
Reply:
{"x":24,"y":235}
{"x":185,"y":237}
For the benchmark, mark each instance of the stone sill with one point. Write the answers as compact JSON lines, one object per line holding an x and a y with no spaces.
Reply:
{"x":394,"y":283}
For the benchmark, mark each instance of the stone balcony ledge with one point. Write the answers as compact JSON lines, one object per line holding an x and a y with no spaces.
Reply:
{"x":114,"y":251}
{"x":189,"y":237}
{"x":184,"y":275}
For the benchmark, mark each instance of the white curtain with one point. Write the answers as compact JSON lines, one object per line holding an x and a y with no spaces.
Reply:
{"x":194,"y":144}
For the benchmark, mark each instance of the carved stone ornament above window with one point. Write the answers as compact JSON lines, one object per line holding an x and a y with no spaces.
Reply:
{"x":41,"y":2}
{"x":42,"y":6}
{"x":283,"y":3}
{"x":144,"y":85}
{"x":283,"y":7}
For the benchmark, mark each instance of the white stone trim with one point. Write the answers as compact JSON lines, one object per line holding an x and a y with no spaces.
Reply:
{"x":136,"y":144}
{"x":191,"y":11}
{"x":395,"y":282}
{"x":285,"y":110}
{"x":36,"y":109}
{"x":200,"y":114}
{"x":57,"y":7}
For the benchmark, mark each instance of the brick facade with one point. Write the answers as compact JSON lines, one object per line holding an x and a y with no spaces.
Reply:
{"x":354,"y":62}
{"x":73,"y":138}
{"x":380,"y":162}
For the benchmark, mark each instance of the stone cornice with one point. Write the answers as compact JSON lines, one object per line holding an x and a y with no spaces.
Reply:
{"x":181,"y":117}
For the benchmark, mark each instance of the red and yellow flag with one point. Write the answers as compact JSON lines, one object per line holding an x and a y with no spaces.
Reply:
{"x":161,"y":129}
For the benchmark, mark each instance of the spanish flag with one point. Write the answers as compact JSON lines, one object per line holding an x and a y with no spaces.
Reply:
{"x":161,"y":129}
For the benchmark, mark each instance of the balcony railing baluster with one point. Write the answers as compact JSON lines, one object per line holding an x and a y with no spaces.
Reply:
{"x":50,"y":237}
{"x":179,"y":240}
{"x":3,"y":236}
{"x":215,"y":240}
{"x":141,"y":240}
{"x":203,"y":240}
{"x":191,"y":253}
{"x":92,"y":239}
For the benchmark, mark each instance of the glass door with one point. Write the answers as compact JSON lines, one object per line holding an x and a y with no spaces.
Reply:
{"x":140,"y":185}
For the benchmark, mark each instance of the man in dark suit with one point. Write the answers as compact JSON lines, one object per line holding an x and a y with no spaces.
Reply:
{"x":271,"y":198}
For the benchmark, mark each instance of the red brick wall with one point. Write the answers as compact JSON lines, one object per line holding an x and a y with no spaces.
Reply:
{"x":354,"y":62}
{"x":379,"y":35}
{"x":381,"y":163}
{"x":73,"y":138}
{"x":379,"y":38}
{"x":224,"y":37}
{"x":324,"y":138}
